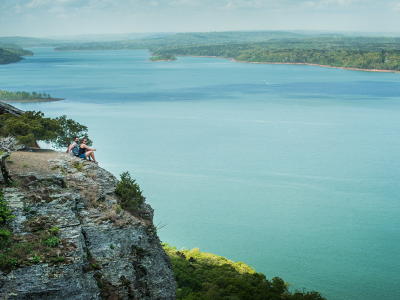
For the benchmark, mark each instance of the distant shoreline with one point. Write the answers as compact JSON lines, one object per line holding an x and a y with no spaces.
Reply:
{"x":160,"y":60}
{"x":31,"y":101}
{"x":101,"y":50}
{"x":308,"y":64}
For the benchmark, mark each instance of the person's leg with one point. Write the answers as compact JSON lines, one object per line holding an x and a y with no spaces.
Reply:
{"x":90,"y":154}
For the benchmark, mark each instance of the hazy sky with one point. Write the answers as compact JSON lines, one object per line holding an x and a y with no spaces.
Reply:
{"x":40,"y":18}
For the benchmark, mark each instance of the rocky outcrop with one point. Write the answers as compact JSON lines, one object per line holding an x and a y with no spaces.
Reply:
{"x":104,"y":252}
{"x":7,"y":108}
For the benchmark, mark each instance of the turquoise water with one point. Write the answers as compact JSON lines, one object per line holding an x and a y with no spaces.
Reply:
{"x":294,"y":170}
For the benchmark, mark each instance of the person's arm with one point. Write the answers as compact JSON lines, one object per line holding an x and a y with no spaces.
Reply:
{"x":70,"y":147}
{"x":89,"y":149}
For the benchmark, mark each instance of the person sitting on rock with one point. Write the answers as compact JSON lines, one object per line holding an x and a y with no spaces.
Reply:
{"x":86,"y":152}
{"x":73,"y":147}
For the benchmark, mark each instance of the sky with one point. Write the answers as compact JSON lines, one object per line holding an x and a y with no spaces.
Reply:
{"x":42,"y":18}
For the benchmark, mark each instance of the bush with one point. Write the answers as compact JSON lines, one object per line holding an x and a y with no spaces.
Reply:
{"x":4,"y":236}
{"x":55,"y":230}
{"x":131,"y":197}
{"x":52,"y":242}
{"x":5,"y":213}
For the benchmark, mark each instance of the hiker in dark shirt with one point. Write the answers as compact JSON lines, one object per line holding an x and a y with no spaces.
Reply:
{"x":86,"y":152}
{"x":74,"y":147}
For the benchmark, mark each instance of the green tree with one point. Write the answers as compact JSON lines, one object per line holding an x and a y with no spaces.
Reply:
{"x":28,"y":127}
{"x":32,"y":126}
{"x":131,"y":197}
{"x":69,"y":128}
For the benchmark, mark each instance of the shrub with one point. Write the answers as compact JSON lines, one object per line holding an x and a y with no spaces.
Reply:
{"x":131,"y":197}
{"x":118,"y":209}
{"x":5,"y":213}
{"x":4,"y":236}
{"x":36,"y":259}
{"x":55,"y":230}
{"x":52,"y":242}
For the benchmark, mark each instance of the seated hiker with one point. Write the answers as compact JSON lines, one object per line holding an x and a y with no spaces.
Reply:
{"x":73,"y":147}
{"x":86,"y":152}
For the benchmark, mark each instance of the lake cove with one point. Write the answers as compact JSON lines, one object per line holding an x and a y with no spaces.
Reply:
{"x":291,"y":169}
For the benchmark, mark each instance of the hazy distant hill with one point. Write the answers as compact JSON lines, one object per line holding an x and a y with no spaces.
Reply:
{"x":186,"y":38}
{"x":14,"y":48}
{"x":78,"y":39}
{"x":90,"y":38}
{"x":30,"y":42}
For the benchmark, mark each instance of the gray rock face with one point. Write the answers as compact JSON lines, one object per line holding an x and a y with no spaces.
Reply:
{"x":107,"y":253}
{"x":7,"y":108}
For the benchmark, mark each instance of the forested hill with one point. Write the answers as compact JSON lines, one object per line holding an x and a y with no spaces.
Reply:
{"x":16,"y":49}
{"x":195,"y":38}
{"x":7,"y":57}
{"x":381,"y":53}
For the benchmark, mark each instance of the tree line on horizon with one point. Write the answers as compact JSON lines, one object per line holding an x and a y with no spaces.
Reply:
{"x":6,"y":95}
{"x":360,"y":53}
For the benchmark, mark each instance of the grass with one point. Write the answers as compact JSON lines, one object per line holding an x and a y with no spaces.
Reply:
{"x":24,"y":165}
{"x":79,"y":166}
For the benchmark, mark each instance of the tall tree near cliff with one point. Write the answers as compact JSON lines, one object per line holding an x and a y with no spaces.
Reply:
{"x":68,"y":129}
{"x":28,"y":127}
{"x":32,"y":126}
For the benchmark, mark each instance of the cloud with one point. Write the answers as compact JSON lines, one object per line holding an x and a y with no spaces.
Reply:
{"x":396,"y":7}
{"x":53,"y":17}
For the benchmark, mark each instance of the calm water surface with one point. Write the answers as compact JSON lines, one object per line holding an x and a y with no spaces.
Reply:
{"x":294,"y":170}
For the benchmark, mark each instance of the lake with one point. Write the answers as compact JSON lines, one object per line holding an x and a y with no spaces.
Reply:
{"x":292,"y":169}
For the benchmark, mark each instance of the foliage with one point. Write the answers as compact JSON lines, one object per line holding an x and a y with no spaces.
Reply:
{"x":202,"y":275}
{"x":131,"y":197}
{"x":55,"y":230}
{"x":8,"y":56}
{"x":33,"y":248}
{"x":362,"y":53}
{"x":52,"y":241}
{"x":6,"y":95}
{"x":163,"y":57}
{"x":118,"y":209}
{"x":69,"y":128}
{"x":28,"y":127}
{"x":5,"y":213}
{"x":31,"y":126}
{"x":4,"y":236}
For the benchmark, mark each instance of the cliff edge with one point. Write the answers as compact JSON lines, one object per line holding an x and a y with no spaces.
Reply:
{"x":102,"y":252}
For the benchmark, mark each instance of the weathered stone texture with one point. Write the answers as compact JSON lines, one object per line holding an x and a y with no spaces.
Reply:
{"x":114,"y":256}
